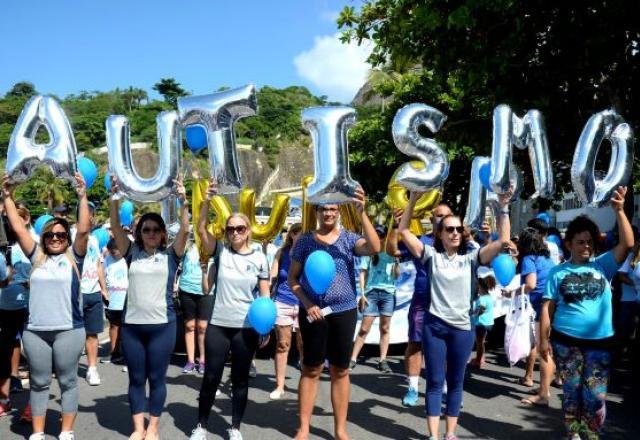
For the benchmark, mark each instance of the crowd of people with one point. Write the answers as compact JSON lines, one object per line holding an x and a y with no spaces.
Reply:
{"x":57,"y":288}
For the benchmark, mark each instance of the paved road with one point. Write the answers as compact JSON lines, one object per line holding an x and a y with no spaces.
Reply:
{"x":491,"y":408}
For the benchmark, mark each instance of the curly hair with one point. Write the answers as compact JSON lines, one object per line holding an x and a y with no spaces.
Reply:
{"x":583,"y":223}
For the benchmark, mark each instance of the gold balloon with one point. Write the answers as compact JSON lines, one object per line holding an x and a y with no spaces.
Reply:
{"x":277,"y":218}
{"x":397,"y":198}
{"x":348,"y":215}
{"x":218,"y":204}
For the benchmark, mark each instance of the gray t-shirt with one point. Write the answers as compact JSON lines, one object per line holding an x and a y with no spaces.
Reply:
{"x":237,"y":280}
{"x":452,"y":283}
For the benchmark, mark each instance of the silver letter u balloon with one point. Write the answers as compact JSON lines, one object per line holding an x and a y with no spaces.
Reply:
{"x":527,"y":133}
{"x":135,"y":187}
{"x":407,"y":139}
{"x":605,"y":125}
{"x":24,"y":154}
{"x":217,"y":113}
{"x":328,"y":127}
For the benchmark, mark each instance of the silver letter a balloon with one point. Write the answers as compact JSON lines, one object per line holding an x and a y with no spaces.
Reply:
{"x":135,"y":187}
{"x":217,"y":113}
{"x":407,"y":139}
{"x":605,"y":125}
{"x":328,"y":127}
{"x":24,"y":154}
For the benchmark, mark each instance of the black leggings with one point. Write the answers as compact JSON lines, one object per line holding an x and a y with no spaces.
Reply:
{"x":11,"y":323}
{"x":218,"y":340}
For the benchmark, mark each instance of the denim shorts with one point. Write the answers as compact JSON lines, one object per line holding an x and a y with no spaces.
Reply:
{"x":381,"y":303}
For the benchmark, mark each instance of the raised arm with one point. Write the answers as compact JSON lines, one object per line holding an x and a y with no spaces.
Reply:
{"x":625,"y":232}
{"x":22,"y":233}
{"x":180,"y":242}
{"x":370,"y":244}
{"x":83,"y":227}
{"x":490,"y":251}
{"x":119,"y":234}
{"x":391,"y":246}
{"x":413,"y":243}
{"x":207,"y":240}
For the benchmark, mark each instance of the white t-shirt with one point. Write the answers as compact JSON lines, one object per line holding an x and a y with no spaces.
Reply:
{"x":630,"y":293}
{"x":116,"y":274}
{"x":554,"y":252}
{"x":90,"y":282}
{"x":237,"y":280}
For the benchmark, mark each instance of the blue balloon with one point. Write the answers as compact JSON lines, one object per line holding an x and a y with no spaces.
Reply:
{"x":102,"y":235}
{"x":555,"y":239}
{"x":262,"y":315}
{"x":88,"y":169}
{"x":126,"y":218}
{"x":127,"y":206}
{"x":504,"y":269}
{"x":39,"y":224}
{"x":196,"y":137}
{"x":485,"y":176}
{"x":545,"y":218}
{"x":320,"y":269}
{"x":107,"y":182}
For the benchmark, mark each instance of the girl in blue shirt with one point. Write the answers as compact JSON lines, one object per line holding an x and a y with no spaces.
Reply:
{"x":577,"y":318}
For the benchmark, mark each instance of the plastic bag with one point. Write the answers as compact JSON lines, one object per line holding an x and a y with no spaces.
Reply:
{"x":519,"y":335}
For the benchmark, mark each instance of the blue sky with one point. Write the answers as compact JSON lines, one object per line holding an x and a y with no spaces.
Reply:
{"x":65,"y":46}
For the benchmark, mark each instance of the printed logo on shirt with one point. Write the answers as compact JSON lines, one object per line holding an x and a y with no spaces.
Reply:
{"x":577,"y":287}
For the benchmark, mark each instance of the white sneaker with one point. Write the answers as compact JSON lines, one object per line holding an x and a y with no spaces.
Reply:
{"x":234,"y":434}
{"x":218,"y":393}
{"x":66,"y":435}
{"x":199,"y":433}
{"x":37,"y":436}
{"x":276,"y":395}
{"x":93,"y":377}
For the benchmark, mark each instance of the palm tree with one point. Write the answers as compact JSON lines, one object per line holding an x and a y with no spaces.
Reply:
{"x":389,"y":74}
{"x":47,"y":189}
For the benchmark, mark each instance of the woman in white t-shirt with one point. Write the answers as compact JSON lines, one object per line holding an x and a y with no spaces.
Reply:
{"x":239,"y":275}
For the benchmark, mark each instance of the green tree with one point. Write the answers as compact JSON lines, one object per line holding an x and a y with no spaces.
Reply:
{"x":566,"y":59}
{"x":22,"y":88}
{"x":170,"y":90}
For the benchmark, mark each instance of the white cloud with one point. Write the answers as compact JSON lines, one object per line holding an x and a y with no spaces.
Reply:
{"x":337,"y":70}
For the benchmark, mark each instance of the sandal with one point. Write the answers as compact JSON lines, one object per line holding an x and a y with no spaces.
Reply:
{"x":524,"y":382}
{"x":535,"y":401}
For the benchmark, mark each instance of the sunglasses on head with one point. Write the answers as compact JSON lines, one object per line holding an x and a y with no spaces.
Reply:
{"x":58,"y":235}
{"x":239,"y":229}
{"x":151,"y":230}
{"x":458,"y":229}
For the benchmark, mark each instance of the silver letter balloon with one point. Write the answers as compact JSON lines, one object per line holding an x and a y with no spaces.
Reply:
{"x":605,"y":125}
{"x":24,"y":154}
{"x":407,"y":139}
{"x":135,"y":187}
{"x":527,"y":133}
{"x":217,"y":113}
{"x":328,"y":127}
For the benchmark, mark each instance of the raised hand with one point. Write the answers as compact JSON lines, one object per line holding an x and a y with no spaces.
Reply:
{"x":359,"y":199}
{"x":212,"y":189}
{"x":617,"y":199}
{"x":7,"y":186}
{"x":81,"y":186}
{"x":181,"y":192}
{"x":115,"y":189}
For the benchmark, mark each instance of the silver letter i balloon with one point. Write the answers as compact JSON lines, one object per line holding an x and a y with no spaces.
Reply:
{"x":135,"y":187}
{"x":328,"y":127}
{"x":605,"y":125}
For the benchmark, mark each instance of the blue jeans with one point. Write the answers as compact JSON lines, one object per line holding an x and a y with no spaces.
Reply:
{"x":446,"y":352}
{"x":381,"y":303}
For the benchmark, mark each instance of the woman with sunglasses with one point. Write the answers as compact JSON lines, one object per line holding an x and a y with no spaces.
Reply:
{"x":447,"y":332}
{"x":328,"y":322}
{"x":55,"y":334}
{"x":239,"y":275}
{"x":148,"y":332}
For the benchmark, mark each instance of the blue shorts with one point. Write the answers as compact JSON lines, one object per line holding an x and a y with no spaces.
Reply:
{"x":93,"y":312}
{"x":381,"y":303}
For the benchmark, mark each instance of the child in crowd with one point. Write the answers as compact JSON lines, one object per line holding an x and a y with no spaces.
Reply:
{"x":116,"y":274}
{"x":483,"y":315}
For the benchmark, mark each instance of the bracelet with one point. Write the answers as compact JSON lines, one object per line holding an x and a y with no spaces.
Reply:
{"x":504,"y":211}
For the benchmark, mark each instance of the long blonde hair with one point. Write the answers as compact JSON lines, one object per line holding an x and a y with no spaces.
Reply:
{"x":42,"y":256}
{"x":246,"y":221}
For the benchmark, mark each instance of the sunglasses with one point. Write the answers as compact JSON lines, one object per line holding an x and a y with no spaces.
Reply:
{"x":458,"y":229}
{"x":239,"y":229}
{"x":151,"y":230}
{"x":57,"y":235}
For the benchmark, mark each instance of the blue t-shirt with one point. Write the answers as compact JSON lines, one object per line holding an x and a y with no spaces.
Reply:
{"x":341,"y":294}
{"x":379,"y":276}
{"x":16,"y":295}
{"x":283,"y":292}
{"x":583,"y":297}
{"x":540,"y":266}
{"x":486,"y":317}
{"x":191,"y":277}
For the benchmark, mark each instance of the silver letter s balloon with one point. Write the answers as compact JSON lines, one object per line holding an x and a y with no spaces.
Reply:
{"x":407,"y":139}
{"x":328,"y":127}
{"x":528,"y":133}
{"x":135,"y":187}
{"x":24,"y":154}
{"x":605,"y":125}
{"x":217,"y":113}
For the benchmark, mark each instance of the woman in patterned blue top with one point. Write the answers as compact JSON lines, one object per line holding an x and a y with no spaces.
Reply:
{"x":328,"y":322}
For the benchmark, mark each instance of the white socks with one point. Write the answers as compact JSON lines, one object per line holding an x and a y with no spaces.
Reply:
{"x":413,"y":382}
